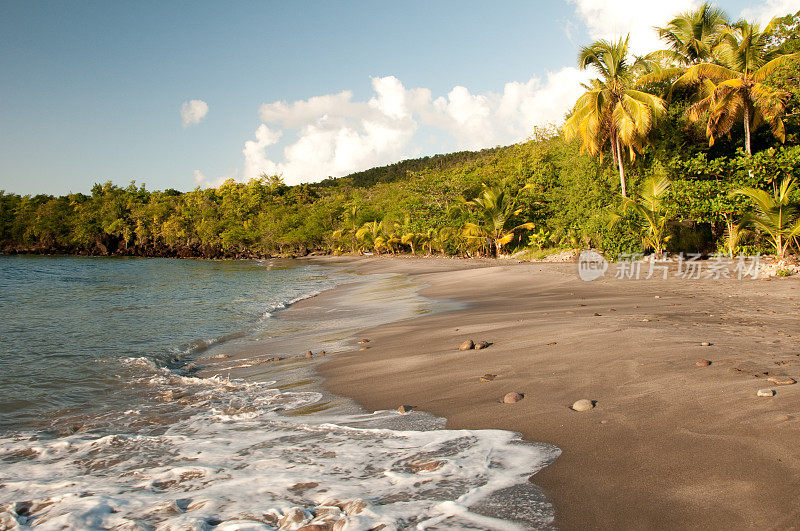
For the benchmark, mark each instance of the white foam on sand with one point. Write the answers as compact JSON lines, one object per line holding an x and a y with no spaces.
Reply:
{"x":221,"y":455}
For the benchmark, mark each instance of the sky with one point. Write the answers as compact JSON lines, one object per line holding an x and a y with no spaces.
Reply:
{"x":184,"y":94}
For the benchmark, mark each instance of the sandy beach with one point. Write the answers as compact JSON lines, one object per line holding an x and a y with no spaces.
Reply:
{"x":669,"y":444}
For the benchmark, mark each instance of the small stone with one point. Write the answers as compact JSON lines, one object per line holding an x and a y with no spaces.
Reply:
{"x":480,"y":345}
{"x":603,"y":422}
{"x":765,"y":392}
{"x":582,"y":405}
{"x":552,"y":343}
{"x":487,"y":377}
{"x":404,"y":410}
{"x":321,"y":352}
{"x":309,"y":354}
{"x":365,"y":340}
{"x":658,"y":296}
{"x":781,"y":380}
{"x":596,"y":314}
{"x":705,"y":344}
{"x":363,"y":348}
{"x":512,"y":398}
{"x":314,"y":527}
{"x":702,"y":363}
{"x":645,"y":320}
{"x":467,"y":345}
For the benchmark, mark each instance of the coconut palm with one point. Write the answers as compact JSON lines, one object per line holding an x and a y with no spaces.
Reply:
{"x":649,"y":205}
{"x":692,"y":36}
{"x":369,"y":234}
{"x":497,"y":208}
{"x":612,"y":112}
{"x":735,"y":89}
{"x":776,"y":214}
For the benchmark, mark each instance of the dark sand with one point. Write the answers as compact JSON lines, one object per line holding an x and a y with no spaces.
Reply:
{"x":669,"y":444}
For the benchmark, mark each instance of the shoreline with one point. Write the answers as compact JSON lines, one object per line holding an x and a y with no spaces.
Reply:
{"x":669,"y":444}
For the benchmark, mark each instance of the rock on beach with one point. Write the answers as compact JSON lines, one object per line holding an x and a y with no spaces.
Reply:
{"x":512,"y":398}
{"x":582,"y":405}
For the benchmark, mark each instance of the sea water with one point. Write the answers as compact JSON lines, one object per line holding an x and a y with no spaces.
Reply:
{"x":172,"y":394}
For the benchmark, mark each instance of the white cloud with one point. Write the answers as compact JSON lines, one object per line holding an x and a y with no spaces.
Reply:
{"x":193,"y":111}
{"x":769,"y":9}
{"x":333,"y":135}
{"x":612,"y":19}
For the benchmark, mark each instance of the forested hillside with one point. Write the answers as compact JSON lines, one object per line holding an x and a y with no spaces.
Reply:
{"x":701,"y":128}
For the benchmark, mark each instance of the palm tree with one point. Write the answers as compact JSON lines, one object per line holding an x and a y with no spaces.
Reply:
{"x":498,"y":210}
{"x":612,"y":112}
{"x":692,"y":36}
{"x":368,"y":234}
{"x":775,"y":214}
{"x":734,"y":90}
{"x":649,"y":205}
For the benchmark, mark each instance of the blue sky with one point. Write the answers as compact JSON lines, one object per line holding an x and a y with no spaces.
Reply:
{"x":93,"y":91}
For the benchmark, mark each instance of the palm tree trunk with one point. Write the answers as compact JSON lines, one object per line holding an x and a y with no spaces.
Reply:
{"x":621,"y":167}
{"x":747,"y":128}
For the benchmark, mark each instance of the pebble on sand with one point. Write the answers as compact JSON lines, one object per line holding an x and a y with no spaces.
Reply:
{"x":702,"y":363}
{"x":705,"y":344}
{"x":781,"y":380}
{"x":365,"y":340}
{"x":480,"y":345}
{"x":487,"y":377}
{"x":363,"y":348}
{"x":583,"y":405}
{"x":467,"y":345}
{"x":765,"y":392}
{"x":512,"y":398}
{"x":309,"y":354}
{"x":404,"y":410}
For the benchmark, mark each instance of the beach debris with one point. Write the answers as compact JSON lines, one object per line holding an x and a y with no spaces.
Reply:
{"x":480,"y":345}
{"x":487,"y":377}
{"x":583,"y":405}
{"x":362,"y":341}
{"x":363,"y":348}
{"x":405,"y":410}
{"x":309,"y":354}
{"x":596,"y":314}
{"x":658,"y":296}
{"x":553,"y":343}
{"x":467,"y":345}
{"x":321,"y":352}
{"x":291,"y":517}
{"x":705,"y":344}
{"x":781,"y":380}
{"x":512,"y":398}
{"x":765,"y":392}
{"x":645,"y":320}
{"x":702,"y":363}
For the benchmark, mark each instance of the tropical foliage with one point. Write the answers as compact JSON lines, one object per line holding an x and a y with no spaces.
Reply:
{"x":682,"y":125}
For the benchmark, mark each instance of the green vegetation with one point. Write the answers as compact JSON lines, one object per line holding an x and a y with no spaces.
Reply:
{"x":706,"y":130}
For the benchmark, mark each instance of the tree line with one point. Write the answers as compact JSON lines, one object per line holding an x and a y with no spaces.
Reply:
{"x":696,"y":130}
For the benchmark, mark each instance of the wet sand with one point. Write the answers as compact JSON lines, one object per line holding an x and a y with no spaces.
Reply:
{"x":668,"y":445}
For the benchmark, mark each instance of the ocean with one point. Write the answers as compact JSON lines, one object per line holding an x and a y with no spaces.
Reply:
{"x":176,"y":394}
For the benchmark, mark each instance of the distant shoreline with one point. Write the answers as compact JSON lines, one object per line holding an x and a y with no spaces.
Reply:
{"x":669,"y":444}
